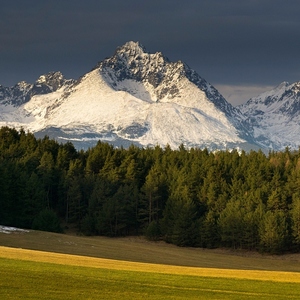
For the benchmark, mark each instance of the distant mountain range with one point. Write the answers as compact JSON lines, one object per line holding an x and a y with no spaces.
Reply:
{"x":135,"y":97}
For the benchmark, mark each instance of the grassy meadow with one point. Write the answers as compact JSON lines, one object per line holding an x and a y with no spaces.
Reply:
{"x":72,"y":267}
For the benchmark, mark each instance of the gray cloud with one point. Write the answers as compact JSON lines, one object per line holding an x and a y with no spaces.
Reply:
{"x":229,"y":43}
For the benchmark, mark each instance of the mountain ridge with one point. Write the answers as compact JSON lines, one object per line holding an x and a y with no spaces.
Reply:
{"x":131,"y":97}
{"x":275,"y":116}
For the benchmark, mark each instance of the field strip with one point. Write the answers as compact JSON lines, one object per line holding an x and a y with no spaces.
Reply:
{"x":84,"y":261}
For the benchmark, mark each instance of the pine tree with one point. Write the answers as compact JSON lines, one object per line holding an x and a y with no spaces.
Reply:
{"x":295,"y":215}
{"x":75,"y":209}
{"x":273,"y":232}
{"x":231,"y":223}
{"x":210,"y":231}
{"x":46,"y":173}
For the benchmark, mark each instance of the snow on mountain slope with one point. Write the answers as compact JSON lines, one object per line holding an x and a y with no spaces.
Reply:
{"x":133,"y":114}
{"x":131,"y":97}
{"x":25,"y":105}
{"x":275,"y":116}
{"x":30,"y":114}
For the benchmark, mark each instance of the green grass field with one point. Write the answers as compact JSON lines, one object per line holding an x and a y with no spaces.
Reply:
{"x":35,"y":280}
{"x":100,"y":268}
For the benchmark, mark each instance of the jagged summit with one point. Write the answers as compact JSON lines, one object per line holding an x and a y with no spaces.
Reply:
{"x":22,"y":92}
{"x":134,"y":48}
{"x":133,"y":61}
{"x":54,"y":80}
{"x":48,"y":83}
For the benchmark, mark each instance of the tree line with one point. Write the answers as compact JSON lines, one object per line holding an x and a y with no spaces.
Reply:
{"x":188,"y":197}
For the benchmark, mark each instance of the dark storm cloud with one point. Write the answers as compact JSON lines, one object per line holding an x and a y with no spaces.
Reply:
{"x":229,"y":42}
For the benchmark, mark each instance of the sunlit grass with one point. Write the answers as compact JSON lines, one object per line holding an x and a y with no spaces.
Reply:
{"x":27,"y":274}
{"x":132,"y":268}
{"x":39,"y":280}
{"x":76,"y":260}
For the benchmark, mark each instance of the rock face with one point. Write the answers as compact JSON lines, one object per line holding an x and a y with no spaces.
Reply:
{"x":275,"y":116}
{"x":22,"y":92}
{"x":132,"y":97}
{"x":133,"y":62}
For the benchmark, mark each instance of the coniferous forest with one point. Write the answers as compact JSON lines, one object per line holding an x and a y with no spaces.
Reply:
{"x":188,"y":197}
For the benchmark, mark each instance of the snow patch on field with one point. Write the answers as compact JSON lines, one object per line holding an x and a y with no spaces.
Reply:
{"x":9,"y":230}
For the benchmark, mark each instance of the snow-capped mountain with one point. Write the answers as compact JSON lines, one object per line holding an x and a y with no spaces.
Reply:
{"x":132,"y":97}
{"x":275,"y":116}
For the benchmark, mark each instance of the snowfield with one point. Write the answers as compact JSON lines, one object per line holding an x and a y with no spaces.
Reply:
{"x":9,"y":230}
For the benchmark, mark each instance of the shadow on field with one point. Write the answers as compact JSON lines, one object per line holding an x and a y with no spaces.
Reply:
{"x":137,"y":249}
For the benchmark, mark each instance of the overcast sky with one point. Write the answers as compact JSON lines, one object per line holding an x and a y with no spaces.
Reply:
{"x":242,"y":47}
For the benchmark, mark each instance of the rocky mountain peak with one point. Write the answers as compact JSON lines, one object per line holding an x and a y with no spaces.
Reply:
{"x":132,"y":61}
{"x":295,"y":90}
{"x":23,"y":85}
{"x":283,"y":99}
{"x":283,"y":84}
{"x":50,"y":82}
{"x":22,"y":92}
{"x":132,"y":48}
